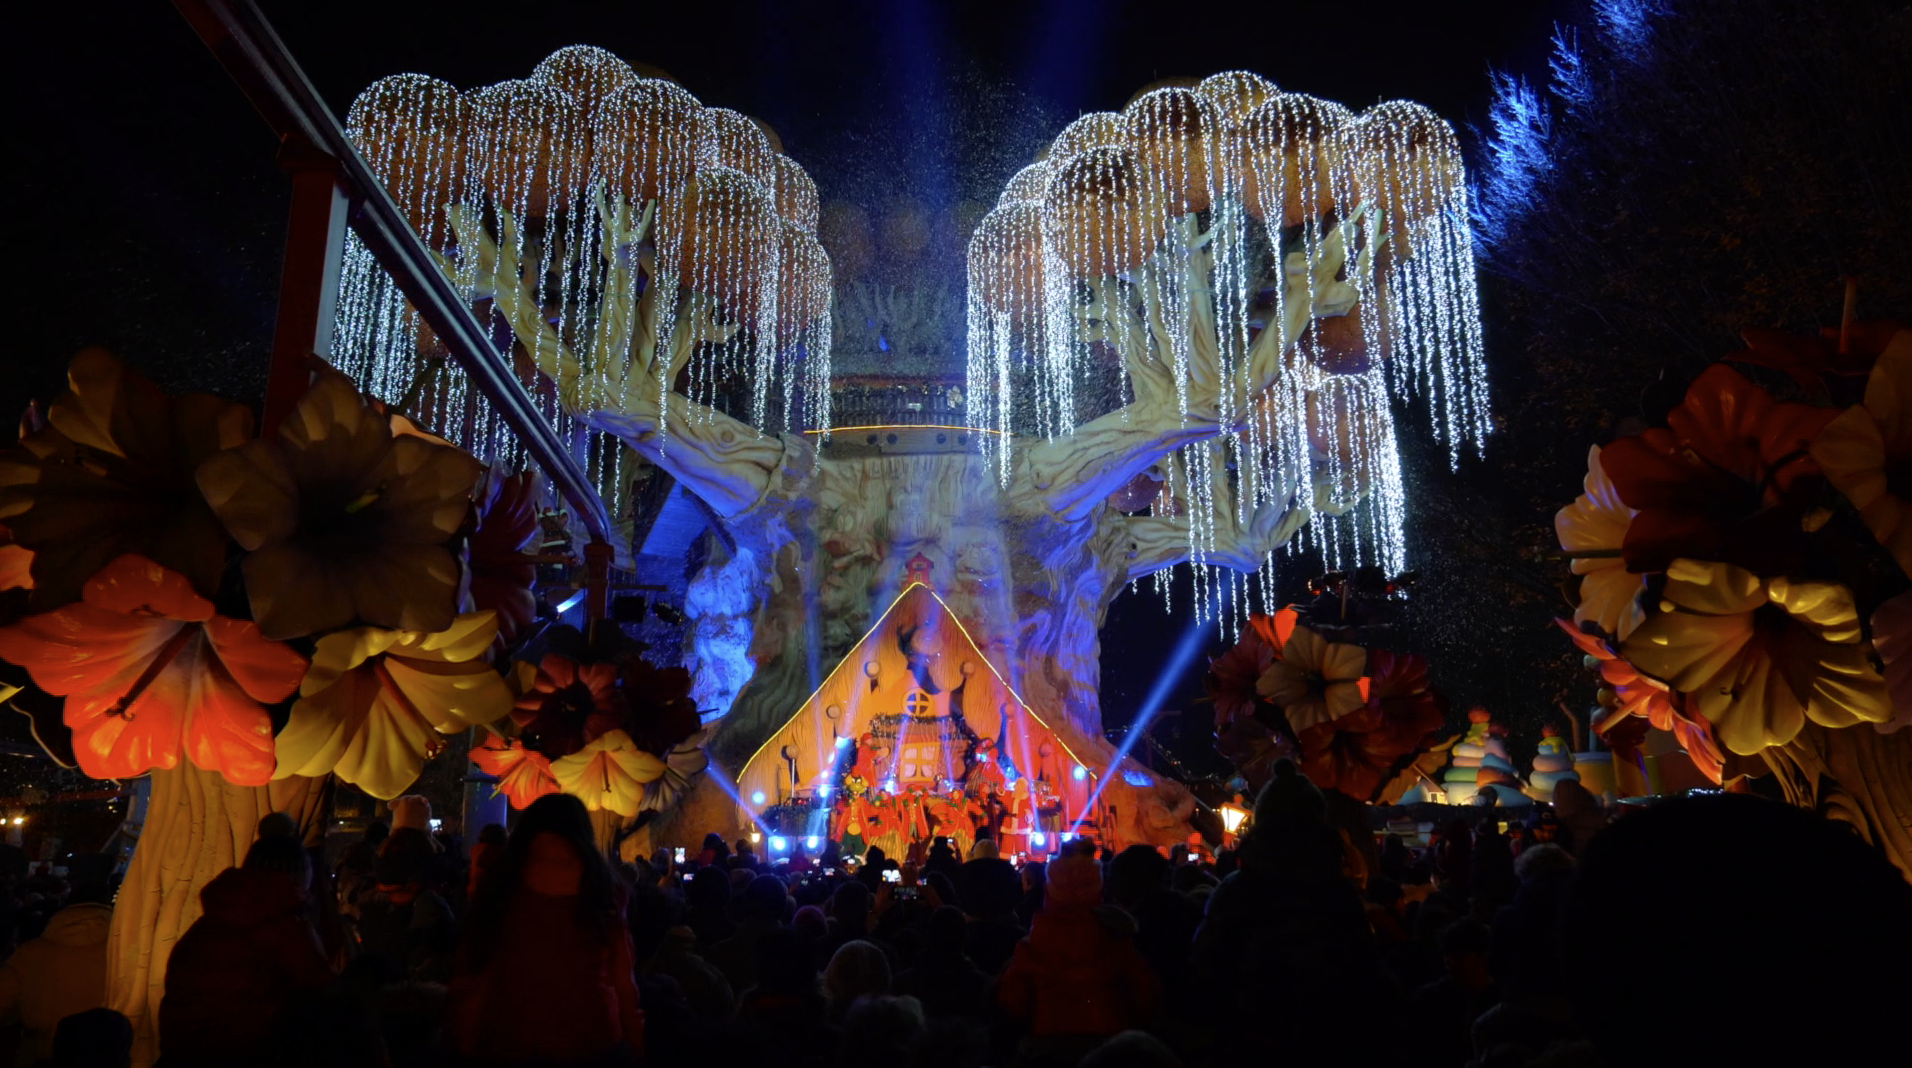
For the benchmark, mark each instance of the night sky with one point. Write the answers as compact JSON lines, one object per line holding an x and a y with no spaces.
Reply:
{"x":150,"y":212}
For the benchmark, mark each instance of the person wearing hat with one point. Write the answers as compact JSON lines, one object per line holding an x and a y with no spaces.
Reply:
{"x":64,"y":970}
{"x":1077,"y":978}
{"x":1286,"y":943}
{"x":241,"y":976}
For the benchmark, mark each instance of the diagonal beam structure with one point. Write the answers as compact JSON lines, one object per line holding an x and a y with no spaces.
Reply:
{"x":239,"y":36}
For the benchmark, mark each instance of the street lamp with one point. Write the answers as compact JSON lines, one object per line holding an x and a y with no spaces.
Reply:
{"x":1233,"y":816}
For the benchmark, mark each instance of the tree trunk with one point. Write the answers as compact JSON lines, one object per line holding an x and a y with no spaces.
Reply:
{"x":197,"y":825}
{"x":1857,"y":775}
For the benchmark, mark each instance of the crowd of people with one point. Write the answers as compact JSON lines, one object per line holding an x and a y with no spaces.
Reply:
{"x":1724,"y":929}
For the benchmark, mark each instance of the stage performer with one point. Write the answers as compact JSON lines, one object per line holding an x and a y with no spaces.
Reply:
{"x":915,"y":815}
{"x":868,"y":762}
{"x":853,"y":834}
{"x":1013,"y":837}
{"x":984,"y":769}
{"x":943,"y":812}
{"x":886,"y":819}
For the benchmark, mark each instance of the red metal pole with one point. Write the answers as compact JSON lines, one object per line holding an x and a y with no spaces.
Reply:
{"x":308,"y":277}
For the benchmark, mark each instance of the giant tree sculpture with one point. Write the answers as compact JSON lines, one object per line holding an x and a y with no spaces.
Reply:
{"x":1227,"y":251}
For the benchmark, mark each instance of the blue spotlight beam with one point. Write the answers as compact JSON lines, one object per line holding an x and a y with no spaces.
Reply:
{"x":1193,"y":640}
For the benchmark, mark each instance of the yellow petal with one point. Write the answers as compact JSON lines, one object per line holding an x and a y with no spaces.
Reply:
{"x":1713,"y":588}
{"x":1342,"y":698}
{"x":608,"y":773}
{"x":341,"y":651}
{"x":1597,"y":520}
{"x":1889,"y":393}
{"x":1688,"y":650}
{"x":466,"y":639}
{"x":1753,"y":708}
{"x":1609,"y":596}
{"x":451,"y":697}
{"x":1851,"y":451}
{"x":1827,"y":606}
{"x":1340,"y":661}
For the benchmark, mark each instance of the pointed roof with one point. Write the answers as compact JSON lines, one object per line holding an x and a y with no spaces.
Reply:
{"x":917,"y":644}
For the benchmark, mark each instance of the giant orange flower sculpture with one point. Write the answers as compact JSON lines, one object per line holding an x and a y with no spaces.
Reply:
{"x":657,"y":710}
{"x":523,"y":775}
{"x":1592,"y":530}
{"x":149,"y":671}
{"x":376,"y":703}
{"x":1727,"y":481}
{"x":608,"y":774}
{"x":1867,"y":451}
{"x":1758,"y":657}
{"x":1357,"y":753}
{"x":1233,"y":675}
{"x":1315,"y":680}
{"x":568,"y":705}
{"x":343,"y":519}
{"x":112,"y":473}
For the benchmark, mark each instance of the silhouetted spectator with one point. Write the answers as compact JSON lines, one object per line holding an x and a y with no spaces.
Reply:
{"x":1785,"y":935}
{"x":544,"y":966}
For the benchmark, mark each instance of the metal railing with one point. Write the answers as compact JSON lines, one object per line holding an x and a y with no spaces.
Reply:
{"x":314,"y":143}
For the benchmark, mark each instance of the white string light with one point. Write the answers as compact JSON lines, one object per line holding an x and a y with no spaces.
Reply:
{"x":1195,"y":217}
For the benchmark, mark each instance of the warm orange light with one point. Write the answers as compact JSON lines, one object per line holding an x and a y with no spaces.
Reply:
{"x":1232,"y":818}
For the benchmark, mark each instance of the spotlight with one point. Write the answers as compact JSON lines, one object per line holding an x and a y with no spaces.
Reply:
{"x":843,"y":743}
{"x":824,"y":790}
{"x":811,"y":843}
{"x":1081,"y":773}
{"x":756,"y":798}
{"x":778,"y":844}
{"x":1036,"y":838}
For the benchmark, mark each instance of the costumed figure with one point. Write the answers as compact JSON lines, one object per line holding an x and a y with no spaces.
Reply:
{"x":1013,"y":834}
{"x":984,"y":770}
{"x":1553,"y":765}
{"x":886,"y":820}
{"x":947,"y":808}
{"x":1047,"y":818}
{"x":915,"y":816}
{"x":867,"y":764}
{"x":852,"y":813}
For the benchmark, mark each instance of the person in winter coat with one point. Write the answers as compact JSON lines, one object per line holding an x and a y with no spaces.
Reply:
{"x":59,"y":973}
{"x":242,"y":976}
{"x":543,"y":969}
{"x":1285,"y":943}
{"x":406,"y":927}
{"x":1077,"y":978}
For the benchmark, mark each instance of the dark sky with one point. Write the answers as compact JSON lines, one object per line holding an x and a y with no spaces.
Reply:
{"x":150,"y":211}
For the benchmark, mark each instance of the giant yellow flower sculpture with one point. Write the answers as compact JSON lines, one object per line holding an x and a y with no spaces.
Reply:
{"x":1760,"y":656}
{"x":1592,"y":530}
{"x":1867,"y":451}
{"x":375,"y":702}
{"x":1316,"y":680}
{"x":343,"y":521}
{"x":609,"y":773}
